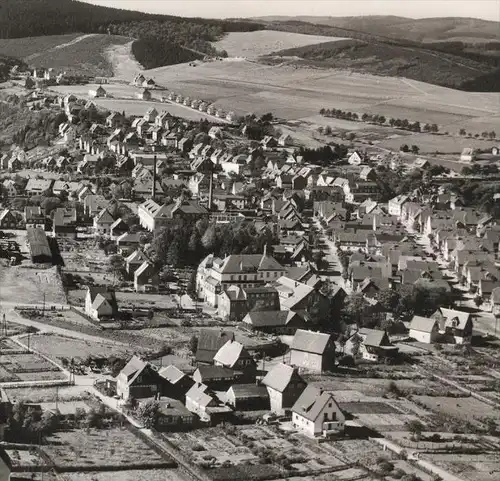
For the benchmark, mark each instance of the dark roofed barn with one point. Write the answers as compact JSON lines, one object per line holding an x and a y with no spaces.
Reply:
{"x":38,"y":245}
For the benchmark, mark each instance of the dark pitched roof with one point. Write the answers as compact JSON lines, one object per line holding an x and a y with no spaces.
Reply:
{"x":311,"y":402}
{"x":207,"y":373}
{"x":308,"y":341}
{"x":210,"y":341}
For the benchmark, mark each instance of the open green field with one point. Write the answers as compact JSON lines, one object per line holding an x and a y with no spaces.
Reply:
{"x":293,"y":93}
{"x":264,"y":42}
{"x":129,"y":475}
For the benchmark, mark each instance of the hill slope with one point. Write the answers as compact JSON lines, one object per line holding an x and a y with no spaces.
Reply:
{"x":415,"y":30}
{"x":391,"y":60}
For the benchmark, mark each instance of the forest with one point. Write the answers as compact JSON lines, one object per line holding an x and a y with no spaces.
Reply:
{"x":160,"y":37}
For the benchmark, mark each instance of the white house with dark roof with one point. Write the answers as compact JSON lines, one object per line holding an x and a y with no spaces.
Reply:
{"x":424,"y":329}
{"x":371,"y":344}
{"x":284,"y":385}
{"x":234,"y":356}
{"x":313,"y":351}
{"x":100,"y":303}
{"x":457,"y":325}
{"x":316,"y":413}
{"x":103,"y":222}
{"x":38,"y":186}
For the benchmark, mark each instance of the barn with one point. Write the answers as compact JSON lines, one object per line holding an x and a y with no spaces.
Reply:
{"x":38,"y":245}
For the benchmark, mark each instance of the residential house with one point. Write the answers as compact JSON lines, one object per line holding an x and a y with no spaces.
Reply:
{"x":468,"y":155}
{"x":274,"y":322}
{"x":247,"y":397}
{"x":38,"y":186}
{"x":284,"y":385}
{"x":64,"y":223}
{"x":424,"y":329}
{"x":98,"y":92}
{"x":34,"y":218}
{"x":206,"y":406}
{"x":100,"y":303}
{"x":209,"y":343}
{"x":455,"y":325}
{"x":150,"y":115}
{"x":7,"y":219}
{"x":177,"y":383}
{"x":234,"y":356}
{"x":138,"y":379}
{"x":395,"y":205}
{"x":146,"y":278}
{"x":144,"y":94}
{"x":134,"y":261}
{"x":103,"y":222}
{"x":118,"y":228}
{"x":285,"y":140}
{"x":94,"y":204}
{"x":172,"y":415}
{"x":217,"y":377}
{"x":356,"y":158}
{"x":371,"y":344}
{"x":316,"y":413}
{"x":11,"y":188}
{"x":312,"y":351}
{"x":235,"y":302}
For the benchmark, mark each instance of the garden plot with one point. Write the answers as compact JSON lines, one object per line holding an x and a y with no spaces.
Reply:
{"x":59,"y":347}
{"x":465,"y":408}
{"x":24,"y":458}
{"x":109,"y":448}
{"x":46,"y":394}
{"x":129,"y":475}
{"x":469,"y":467}
{"x":27,"y":367}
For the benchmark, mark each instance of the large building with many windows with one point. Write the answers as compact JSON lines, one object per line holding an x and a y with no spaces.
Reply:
{"x":215,"y":275}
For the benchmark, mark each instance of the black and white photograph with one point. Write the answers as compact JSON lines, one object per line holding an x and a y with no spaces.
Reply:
{"x":249,"y":240}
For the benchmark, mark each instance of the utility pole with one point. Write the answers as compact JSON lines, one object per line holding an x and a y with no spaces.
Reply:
{"x":29,"y":338}
{"x":43,"y":310}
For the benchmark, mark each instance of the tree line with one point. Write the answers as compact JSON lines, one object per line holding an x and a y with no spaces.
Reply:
{"x":403,"y":124}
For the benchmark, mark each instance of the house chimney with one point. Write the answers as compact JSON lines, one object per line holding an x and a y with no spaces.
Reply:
{"x":153,"y":189}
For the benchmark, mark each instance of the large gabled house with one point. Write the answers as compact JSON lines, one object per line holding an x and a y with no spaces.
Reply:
{"x":138,"y":379}
{"x":233,"y":355}
{"x":284,"y":385}
{"x":146,"y":277}
{"x":424,"y":329}
{"x":316,"y":413}
{"x":100,"y":303}
{"x":455,"y":325}
{"x":274,"y":322}
{"x":314,"y":351}
{"x":7,"y":219}
{"x":103,"y":222}
{"x":371,"y":344}
{"x":209,"y":343}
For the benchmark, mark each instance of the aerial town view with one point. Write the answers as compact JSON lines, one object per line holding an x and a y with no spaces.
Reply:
{"x":249,"y":240}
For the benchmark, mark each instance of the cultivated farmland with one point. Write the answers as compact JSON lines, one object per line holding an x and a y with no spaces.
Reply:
{"x":264,"y":42}
{"x":296,"y":93}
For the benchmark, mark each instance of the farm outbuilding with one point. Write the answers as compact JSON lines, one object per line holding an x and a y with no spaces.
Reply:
{"x":38,"y":245}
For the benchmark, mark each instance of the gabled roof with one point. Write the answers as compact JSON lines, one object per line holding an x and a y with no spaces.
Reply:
{"x":238,"y":263}
{"x":210,"y":341}
{"x":374,"y":337}
{"x":230,"y":353}
{"x":270,"y":318}
{"x":133,"y":368}
{"x":312,"y":401}
{"x":171,"y":374}
{"x":308,"y":341}
{"x":198,"y":395}
{"x":422,"y":324}
{"x":248,"y":391}
{"x":452,"y":315}
{"x":280,"y":376}
{"x":208,"y":373}
{"x":137,"y":257}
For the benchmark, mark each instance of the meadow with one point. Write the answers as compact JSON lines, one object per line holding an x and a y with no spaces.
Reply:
{"x":264,"y":42}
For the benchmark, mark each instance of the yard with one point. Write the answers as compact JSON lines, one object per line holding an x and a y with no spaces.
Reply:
{"x":58,"y":347}
{"x":23,"y":366}
{"x":112,"y":448}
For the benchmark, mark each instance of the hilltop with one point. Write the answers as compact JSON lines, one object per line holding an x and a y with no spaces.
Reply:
{"x":449,"y":29}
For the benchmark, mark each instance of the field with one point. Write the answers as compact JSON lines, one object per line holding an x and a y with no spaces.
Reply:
{"x":129,"y":475}
{"x":295,"y":93}
{"x":24,"y":285}
{"x":45,"y":394}
{"x":75,"y":54}
{"x":469,"y":467}
{"x":22,"y":366}
{"x":57,"y":347}
{"x":116,"y":447}
{"x":466,"y":408}
{"x":239,"y":451}
{"x":30,"y":47}
{"x":264,"y":42}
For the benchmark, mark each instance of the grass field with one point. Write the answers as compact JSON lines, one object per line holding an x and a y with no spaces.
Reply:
{"x":27,"y":47}
{"x":28,"y":286}
{"x":466,"y":408}
{"x":264,"y":42}
{"x":295,"y":93}
{"x":109,"y":447}
{"x":46,"y":394}
{"x":57,"y":347}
